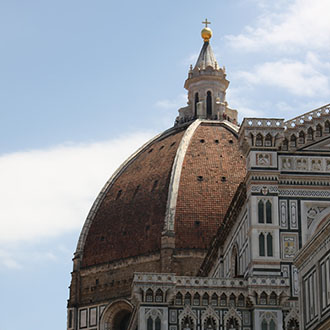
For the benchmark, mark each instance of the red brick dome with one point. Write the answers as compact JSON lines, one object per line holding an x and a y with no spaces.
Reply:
{"x":177,"y":185}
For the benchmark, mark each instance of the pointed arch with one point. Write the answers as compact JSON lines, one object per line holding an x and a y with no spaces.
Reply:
{"x":310,"y":134}
{"x":259,"y":140}
{"x":268,"y":140}
{"x":301,"y":139}
{"x":272,"y":325}
{"x":318,"y":131}
{"x":153,"y":319}
{"x":159,"y":296}
{"x":187,"y":319}
{"x":273,"y":298}
{"x":187,"y":299}
{"x":232,"y":300}
{"x":261,"y":245}
{"x":196,"y":299}
{"x":205,"y":299}
{"x":291,"y":320}
{"x":261,"y":211}
{"x":293,"y":141}
{"x":149,"y":295}
{"x":263,"y":298}
{"x":115,"y":314}
{"x":150,"y":323}
{"x":210,"y":319}
{"x":178,"y":299}
{"x":223,"y":300}
{"x":158,"y":323}
{"x":269,"y":245}
{"x":241,"y":300}
{"x":327,"y":127}
{"x":264,"y":325}
{"x":232,"y":319}
{"x":268,"y":212}
{"x":214,"y":299}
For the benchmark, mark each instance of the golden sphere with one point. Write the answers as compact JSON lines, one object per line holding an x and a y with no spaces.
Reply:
{"x":206,"y":34}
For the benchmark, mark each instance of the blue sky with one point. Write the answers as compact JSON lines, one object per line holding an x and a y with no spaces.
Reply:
{"x":85,"y":83}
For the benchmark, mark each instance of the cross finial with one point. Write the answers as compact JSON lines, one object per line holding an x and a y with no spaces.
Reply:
{"x":206,"y":22}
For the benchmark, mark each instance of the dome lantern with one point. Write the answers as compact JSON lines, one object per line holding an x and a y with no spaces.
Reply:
{"x":206,"y":86}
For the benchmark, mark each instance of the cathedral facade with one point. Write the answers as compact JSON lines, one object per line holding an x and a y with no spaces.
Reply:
{"x":211,"y":224}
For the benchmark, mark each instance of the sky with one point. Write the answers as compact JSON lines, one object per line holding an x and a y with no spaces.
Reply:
{"x":84,"y":83}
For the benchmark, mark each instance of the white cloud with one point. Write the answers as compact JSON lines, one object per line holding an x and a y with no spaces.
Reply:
{"x":299,"y":78}
{"x":45,"y":193}
{"x":8,"y":260}
{"x":298,"y":24}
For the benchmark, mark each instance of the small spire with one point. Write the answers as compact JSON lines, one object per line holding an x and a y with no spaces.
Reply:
{"x":206,"y":57}
{"x":206,"y":32}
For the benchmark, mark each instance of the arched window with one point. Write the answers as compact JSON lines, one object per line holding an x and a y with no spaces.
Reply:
{"x":293,"y":141}
{"x":259,"y":140}
{"x":157,"y":324}
{"x":261,"y":212}
{"x":241,"y":300}
{"x":196,"y":301}
{"x":205,"y":300}
{"x":209,"y":104}
{"x":223,"y":300}
{"x":327,"y":127}
{"x":263,"y":299}
{"x":196,"y":101}
{"x":269,"y":245}
{"x":310,"y":134}
{"x":285,"y":145}
{"x":232,"y":300}
{"x":149,"y":295}
{"x":178,"y":299}
{"x":268,"y":326}
{"x":268,"y":140}
{"x":273,"y":299}
{"x":268,"y":212}
{"x":318,"y":131}
{"x":261,"y":245}
{"x":149,"y":323}
{"x":187,"y":299}
{"x":264,"y":325}
{"x":214,"y":299}
{"x":301,"y":139}
{"x":159,"y":295}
